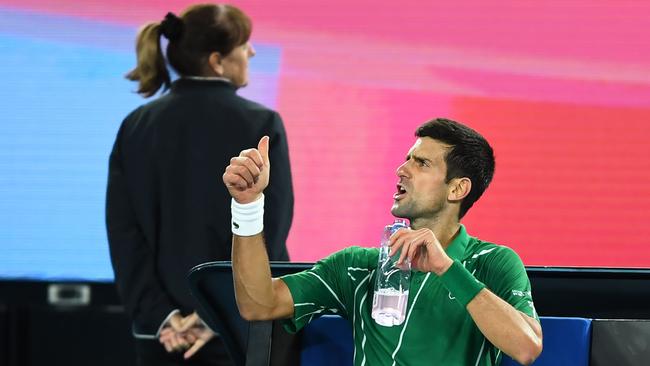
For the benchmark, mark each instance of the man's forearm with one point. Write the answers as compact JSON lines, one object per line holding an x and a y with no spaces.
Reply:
{"x":253,"y":283}
{"x":516,"y":334}
{"x":259,"y":296}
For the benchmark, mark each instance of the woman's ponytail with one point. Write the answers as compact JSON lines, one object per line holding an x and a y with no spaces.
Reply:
{"x":151,"y":71}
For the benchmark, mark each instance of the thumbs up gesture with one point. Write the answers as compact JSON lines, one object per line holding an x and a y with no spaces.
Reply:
{"x":248,"y":174}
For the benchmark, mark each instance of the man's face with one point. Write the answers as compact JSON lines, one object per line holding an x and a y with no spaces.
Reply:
{"x":421,"y":190}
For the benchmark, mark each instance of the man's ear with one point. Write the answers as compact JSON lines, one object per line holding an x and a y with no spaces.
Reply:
{"x":459,"y":188}
{"x":214,"y":61}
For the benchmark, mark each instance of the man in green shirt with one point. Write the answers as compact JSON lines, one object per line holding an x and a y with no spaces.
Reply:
{"x":469,"y":300}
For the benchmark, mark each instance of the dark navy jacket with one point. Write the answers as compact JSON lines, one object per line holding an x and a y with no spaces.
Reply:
{"x":167,"y":208}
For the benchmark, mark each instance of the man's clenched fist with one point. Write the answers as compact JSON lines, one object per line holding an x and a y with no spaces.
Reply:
{"x":248,"y":174}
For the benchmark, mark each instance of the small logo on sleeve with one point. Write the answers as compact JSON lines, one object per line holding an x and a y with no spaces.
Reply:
{"x":521,"y":293}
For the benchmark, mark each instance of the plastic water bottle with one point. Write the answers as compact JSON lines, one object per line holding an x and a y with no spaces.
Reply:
{"x":392,"y":286}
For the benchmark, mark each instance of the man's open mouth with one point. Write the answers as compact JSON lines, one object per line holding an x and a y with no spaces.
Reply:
{"x":400,"y":192}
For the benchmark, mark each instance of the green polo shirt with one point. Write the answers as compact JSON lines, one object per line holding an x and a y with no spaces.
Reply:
{"x":438,"y":330}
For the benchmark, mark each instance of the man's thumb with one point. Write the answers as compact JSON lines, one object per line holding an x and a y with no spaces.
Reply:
{"x":263,"y":148}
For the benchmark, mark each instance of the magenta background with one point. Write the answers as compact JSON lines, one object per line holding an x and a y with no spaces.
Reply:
{"x":560,"y":88}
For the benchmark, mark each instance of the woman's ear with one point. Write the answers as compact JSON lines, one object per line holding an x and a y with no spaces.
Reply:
{"x":214,"y":61}
{"x":459,"y":188}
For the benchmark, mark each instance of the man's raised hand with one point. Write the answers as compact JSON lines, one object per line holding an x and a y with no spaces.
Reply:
{"x":248,"y":174}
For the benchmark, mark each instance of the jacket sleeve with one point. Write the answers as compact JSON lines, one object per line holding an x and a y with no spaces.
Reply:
{"x":278,"y":205}
{"x":132,"y":256}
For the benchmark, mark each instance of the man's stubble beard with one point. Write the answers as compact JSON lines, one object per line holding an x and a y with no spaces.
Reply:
{"x":412,"y":211}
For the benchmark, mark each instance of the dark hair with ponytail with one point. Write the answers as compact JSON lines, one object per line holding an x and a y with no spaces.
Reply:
{"x":200,"y":30}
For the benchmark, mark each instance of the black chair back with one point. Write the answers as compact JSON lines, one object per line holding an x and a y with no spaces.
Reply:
{"x":249,"y":343}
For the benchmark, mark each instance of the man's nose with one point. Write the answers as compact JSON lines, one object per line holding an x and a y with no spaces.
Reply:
{"x":401,"y":170}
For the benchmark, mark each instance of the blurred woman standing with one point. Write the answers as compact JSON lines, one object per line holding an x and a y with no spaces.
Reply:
{"x":166,"y":210}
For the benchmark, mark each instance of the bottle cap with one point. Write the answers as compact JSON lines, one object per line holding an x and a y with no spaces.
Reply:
{"x":398,"y":224}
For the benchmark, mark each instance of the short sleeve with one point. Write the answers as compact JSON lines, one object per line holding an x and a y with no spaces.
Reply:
{"x":507,"y":278}
{"x":318,"y":291}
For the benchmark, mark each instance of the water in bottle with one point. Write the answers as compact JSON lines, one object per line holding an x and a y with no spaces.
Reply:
{"x":392,"y":285}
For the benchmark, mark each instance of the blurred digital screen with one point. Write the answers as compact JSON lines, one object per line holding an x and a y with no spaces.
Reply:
{"x":561,"y":89}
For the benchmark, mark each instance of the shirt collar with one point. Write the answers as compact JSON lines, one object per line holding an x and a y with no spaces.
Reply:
{"x":456,"y":249}
{"x":206,"y":78}
{"x":200,"y":83}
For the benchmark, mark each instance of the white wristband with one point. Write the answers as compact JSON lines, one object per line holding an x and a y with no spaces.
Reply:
{"x":248,"y":218}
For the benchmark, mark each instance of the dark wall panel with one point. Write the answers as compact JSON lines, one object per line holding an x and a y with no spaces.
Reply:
{"x":79,"y":337}
{"x":4,"y":339}
{"x":620,"y":343}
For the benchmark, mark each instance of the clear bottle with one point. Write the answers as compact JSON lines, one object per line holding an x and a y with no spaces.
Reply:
{"x":392,"y":285}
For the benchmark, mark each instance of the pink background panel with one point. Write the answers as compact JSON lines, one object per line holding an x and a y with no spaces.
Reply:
{"x":560,"y":88}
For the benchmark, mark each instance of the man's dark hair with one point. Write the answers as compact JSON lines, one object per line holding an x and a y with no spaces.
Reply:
{"x":470,"y":156}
